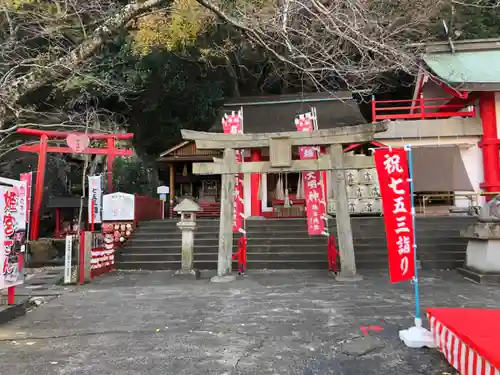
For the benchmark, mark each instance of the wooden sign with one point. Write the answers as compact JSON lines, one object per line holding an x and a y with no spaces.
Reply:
{"x":78,"y":142}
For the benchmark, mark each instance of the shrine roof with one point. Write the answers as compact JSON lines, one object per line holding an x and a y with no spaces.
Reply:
{"x":187,"y":151}
{"x":471,"y":65}
{"x":276,"y":113}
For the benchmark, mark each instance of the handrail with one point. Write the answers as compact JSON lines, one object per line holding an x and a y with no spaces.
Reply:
{"x":444,"y":110}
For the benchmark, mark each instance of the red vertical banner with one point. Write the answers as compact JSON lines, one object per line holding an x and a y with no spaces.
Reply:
{"x":26,"y":178}
{"x":232,"y":124}
{"x":314,"y":193}
{"x":392,"y":170}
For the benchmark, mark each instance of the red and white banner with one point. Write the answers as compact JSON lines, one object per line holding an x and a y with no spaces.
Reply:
{"x":25,"y":195}
{"x":470,"y":342}
{"x":392,"y":170}
{"x":232,"y":124}
{"x":314,"y":192}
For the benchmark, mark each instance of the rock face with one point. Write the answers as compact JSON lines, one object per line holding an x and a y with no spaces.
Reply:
{"x":42,"y":250}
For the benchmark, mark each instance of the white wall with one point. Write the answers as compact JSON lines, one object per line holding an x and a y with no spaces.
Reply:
{"x":473,"y":162}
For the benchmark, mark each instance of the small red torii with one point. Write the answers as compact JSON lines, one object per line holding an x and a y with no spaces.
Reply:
{"x":42,"y":148}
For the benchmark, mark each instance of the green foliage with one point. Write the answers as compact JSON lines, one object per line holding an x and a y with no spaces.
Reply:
{"x":133,"y":176}
{"x":174,"y":94}
{"x":477,"y":22}
{"x":174,"y":30}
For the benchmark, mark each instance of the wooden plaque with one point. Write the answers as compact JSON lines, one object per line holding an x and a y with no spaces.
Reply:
{"x":280,"y":152}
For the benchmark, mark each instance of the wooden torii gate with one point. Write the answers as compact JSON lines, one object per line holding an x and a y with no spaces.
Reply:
{"x":280,"y":161}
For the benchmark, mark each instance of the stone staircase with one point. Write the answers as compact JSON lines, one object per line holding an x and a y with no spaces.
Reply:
{"x":284,"y":244}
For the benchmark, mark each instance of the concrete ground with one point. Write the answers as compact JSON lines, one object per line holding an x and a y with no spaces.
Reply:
{"x":300,"y":322}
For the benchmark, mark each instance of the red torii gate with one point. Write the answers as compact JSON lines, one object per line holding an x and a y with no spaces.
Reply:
{"x":42,"y":148}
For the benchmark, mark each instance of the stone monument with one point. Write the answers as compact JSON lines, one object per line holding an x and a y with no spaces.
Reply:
{"x":482,"y":263}
{"x":188,"y":209}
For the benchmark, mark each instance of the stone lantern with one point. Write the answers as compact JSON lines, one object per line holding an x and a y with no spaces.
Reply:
{"x":187,"y":224}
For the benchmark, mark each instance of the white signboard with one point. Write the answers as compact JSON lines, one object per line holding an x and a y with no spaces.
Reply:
{"x":67,"y":259}
{"x":162,"y":190}
{"x":118,"y":207}
{"x":95,"y":195}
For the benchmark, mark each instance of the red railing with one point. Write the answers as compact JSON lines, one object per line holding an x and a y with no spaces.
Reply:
{"x":406,"y":109}
{"x":147,"y":208}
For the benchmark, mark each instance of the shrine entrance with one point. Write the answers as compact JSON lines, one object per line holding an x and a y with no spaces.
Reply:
{"x":280,"y":147}
{"x":78,"y":144}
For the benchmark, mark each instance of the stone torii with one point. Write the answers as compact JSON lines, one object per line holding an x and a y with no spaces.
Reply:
{"x":280,"y":161}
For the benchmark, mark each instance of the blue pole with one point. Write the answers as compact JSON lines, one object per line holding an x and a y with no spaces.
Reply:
{"x":415,"y":281}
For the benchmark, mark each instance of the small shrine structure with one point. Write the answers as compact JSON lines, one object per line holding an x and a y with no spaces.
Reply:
{"x":263,"y":192}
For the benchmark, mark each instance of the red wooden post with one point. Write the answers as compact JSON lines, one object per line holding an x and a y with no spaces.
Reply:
{"x":256,"y":204}
{"x":110,"y":160}
{"x":92,"y":215}
{"x":374,"y":109}
{"x":82,"y":258}
{"x":11,"y":295}
{"x":489,"y":143}
{"x":422,"y":107}
{"x":40,"y":180}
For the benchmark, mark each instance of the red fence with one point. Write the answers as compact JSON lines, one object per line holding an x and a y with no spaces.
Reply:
{"x":422,"y":108}
{"x":147,"y":208}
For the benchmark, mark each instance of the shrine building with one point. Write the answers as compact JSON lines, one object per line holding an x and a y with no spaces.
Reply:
{"x":451,"y":122}
{"x":261,"y":114}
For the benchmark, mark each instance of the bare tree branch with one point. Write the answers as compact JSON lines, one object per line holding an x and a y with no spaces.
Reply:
{"x":336,"y":42}
{"x":29,"y":69}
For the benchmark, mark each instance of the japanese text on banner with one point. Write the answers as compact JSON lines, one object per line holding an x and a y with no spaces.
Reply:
{"x":232,"y":125}
{"x":313,"y":189}
{"x":392,"y":170}
{"x":13,"y":237}
{"x":25,"y":196}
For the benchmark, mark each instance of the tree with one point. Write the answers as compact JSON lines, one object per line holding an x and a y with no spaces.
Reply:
{"x":337,"y":43}
{"x":44,"y":42}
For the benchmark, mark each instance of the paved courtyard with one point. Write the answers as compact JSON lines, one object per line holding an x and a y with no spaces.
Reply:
{"x":265,"y":323}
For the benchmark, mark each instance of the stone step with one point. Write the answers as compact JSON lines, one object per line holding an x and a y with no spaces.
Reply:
{"x":293,"y":246}
{"x":284,"y":243}
{"x":292,"y":265}
{"x":172,"y":265}
{"x":169,"y":249}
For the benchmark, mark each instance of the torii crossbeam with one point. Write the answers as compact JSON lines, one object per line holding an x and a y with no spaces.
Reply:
{"x":43,"y":148}
{"x":280,"y":155}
